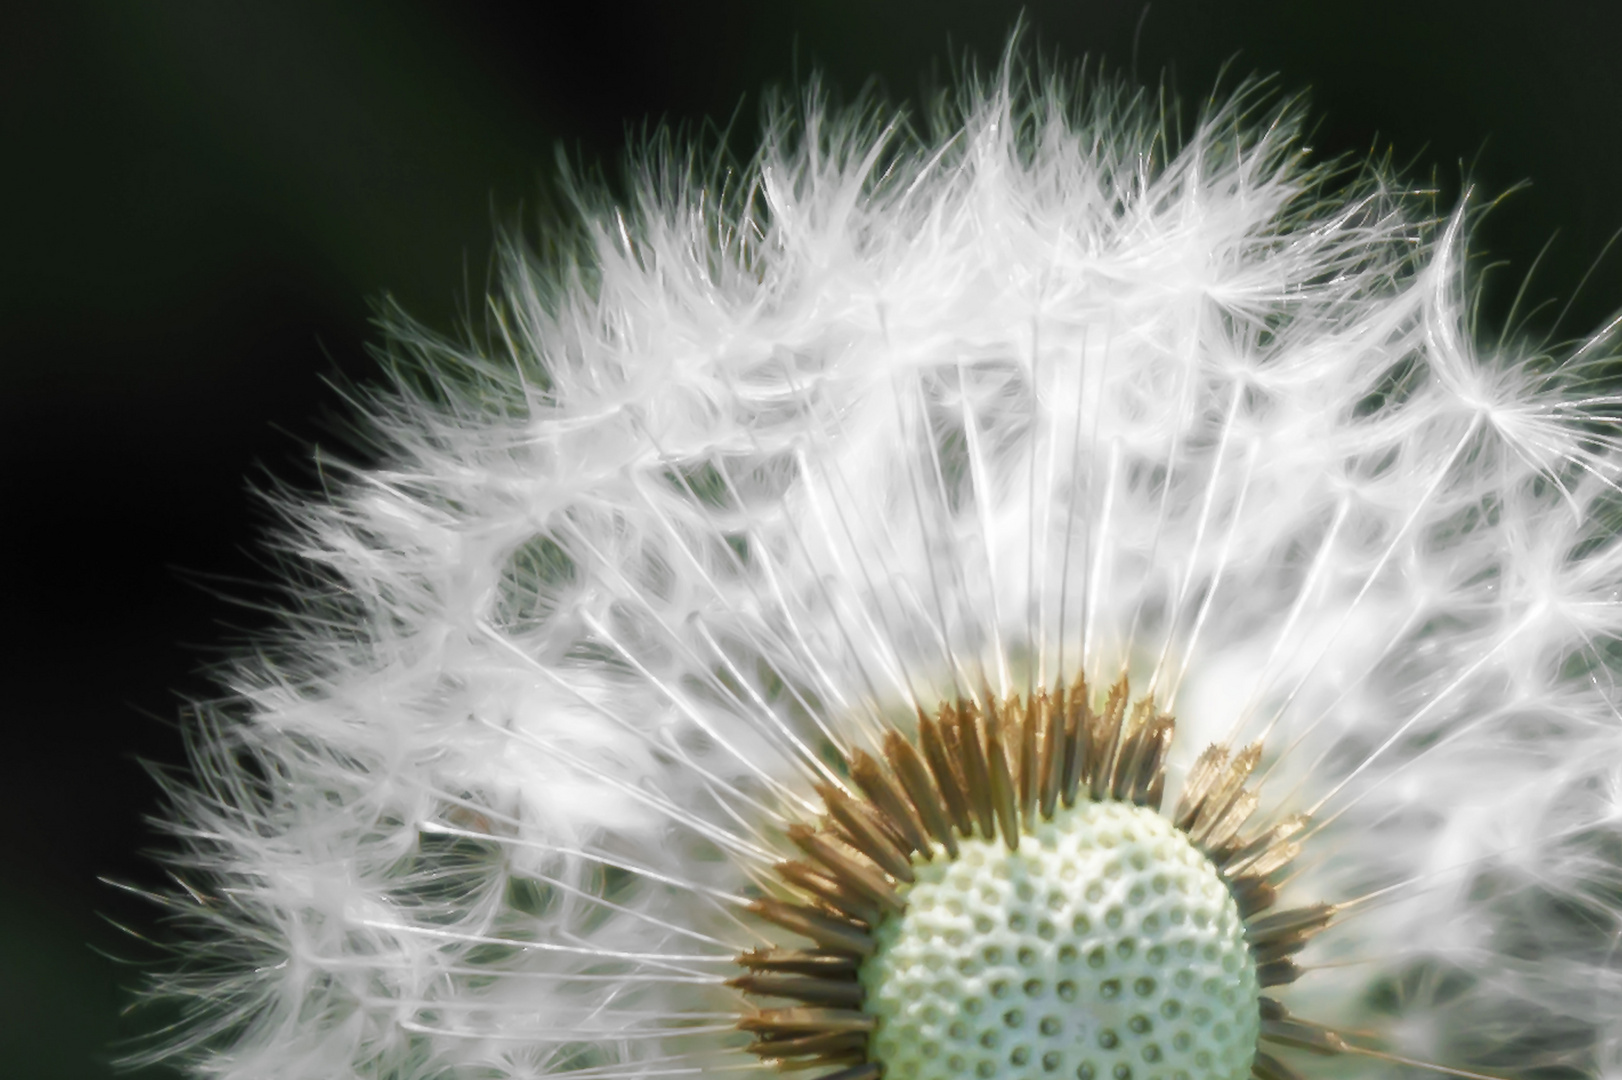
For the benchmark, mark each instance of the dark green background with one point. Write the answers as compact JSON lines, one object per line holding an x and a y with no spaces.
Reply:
{"x":199,"y":202}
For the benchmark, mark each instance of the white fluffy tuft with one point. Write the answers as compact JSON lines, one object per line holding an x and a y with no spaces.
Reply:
{"x":881,"y":417}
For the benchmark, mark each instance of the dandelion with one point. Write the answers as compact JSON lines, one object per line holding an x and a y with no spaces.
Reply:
{"x":1042,"y":597}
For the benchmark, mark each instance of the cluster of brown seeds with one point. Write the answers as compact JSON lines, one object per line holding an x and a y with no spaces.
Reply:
{"x":989,"y":771}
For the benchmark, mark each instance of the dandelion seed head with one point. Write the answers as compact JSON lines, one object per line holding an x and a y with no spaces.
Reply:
{"x":976,"y":420}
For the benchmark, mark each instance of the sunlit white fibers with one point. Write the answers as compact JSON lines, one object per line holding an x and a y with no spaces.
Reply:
{"x":890,"y":415}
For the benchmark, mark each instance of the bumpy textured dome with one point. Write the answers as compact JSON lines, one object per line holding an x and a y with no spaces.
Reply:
{"x":1106,"y":947}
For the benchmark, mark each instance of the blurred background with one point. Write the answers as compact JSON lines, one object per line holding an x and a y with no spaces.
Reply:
{"x":201,"y":203}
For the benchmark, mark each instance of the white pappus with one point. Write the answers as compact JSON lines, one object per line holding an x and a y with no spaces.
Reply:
{"x":783,"y":455}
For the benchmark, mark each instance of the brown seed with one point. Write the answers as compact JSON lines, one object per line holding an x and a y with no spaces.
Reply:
{"x":1274,"y":860}
{"x":826,"y":930}
{"x":963,"y":739}
{"x":1051,"y":758}
{"x":831,"y":891}
{"x":1021,"y":724}
{"x":1148,"y":781}
{"x":1076,"y":750}
{"x":808,"y":1021}
{"x":926,"y":799}
{"x":1222,"y":829}
{"x":1131,"y":777}
{"x":1277,"y":973}
{"x":845,"y":868}
{"x":942,"y":764}
{"x":1226,"y":790}
{"x":1303,"y":1034}
{"x":1130,"y":746}
{"x":821,"y":1061}
{"x":1104,"y":741}
{"x":802,"y":961}
{"x":887,"y":797}
{"x":1259,"y":846}
{"x":1156,"y":795}
{"x":1267,"y":1067}
{"x":847,"y":994}
{"x":1004,"y":792}
{"x":826,"y":1042}
{"x":868,"y":1071}
{"x":1308,"y":920}
{"x":1208,"y":767}
{"x":1252,"y":895}
{"x":863,"y":832}
{"x":1279,"y":948}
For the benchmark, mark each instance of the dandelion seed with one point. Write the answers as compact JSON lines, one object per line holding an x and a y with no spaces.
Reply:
{"x":1035,"y":599}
